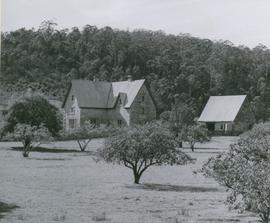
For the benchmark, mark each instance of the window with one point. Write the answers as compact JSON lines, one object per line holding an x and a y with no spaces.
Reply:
{"x":119,"y":122}
{"x":93,"y":121}
{"x":72,"y":98}
{"x":71,"y":123}
{"x":120,"y":101}
{"x":143,"y":98}
{"x":142,"y":110}
{"x":72,"y":110}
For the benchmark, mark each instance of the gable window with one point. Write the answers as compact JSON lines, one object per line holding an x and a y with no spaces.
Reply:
{"x":119,"y":122}
{"x":72,"y":110}
{"x":143,"y":98}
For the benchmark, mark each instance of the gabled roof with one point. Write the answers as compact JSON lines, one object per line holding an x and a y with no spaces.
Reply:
{"x":130,"y":88}
{"x":222,"y":108}
{"x":92,"y":94}
{"x":101,"y":94}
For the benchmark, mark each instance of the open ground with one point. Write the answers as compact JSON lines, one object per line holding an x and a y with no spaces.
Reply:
{"x":75,"y":187}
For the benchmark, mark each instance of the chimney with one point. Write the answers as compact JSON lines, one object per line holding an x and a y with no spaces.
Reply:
{"x":129,"y":78}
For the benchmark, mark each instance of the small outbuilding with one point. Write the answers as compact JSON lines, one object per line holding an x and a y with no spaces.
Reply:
{"x":230,"y":114}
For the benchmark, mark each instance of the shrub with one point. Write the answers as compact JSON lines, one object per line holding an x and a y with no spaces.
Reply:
{"x":245,"y":171}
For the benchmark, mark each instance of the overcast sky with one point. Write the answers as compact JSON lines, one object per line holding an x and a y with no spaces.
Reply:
{"x":243,"y":22}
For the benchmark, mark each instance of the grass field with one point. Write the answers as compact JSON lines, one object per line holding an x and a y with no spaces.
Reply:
{"x":72,"y":187}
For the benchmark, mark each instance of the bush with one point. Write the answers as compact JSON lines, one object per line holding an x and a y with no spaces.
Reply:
{"x":245,"y":171}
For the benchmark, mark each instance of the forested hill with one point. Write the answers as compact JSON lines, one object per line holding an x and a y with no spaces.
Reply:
{"x":48,"y":58}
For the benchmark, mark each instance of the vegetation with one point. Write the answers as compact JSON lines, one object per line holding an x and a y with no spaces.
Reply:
{"x":140,"y":147}
{"x":34,"y":111}
{"x":30,"y":136}
{"x":245,"y":171}
{"x":47,"y":59}
{"x":4,"y":208}
{"x":86,"y":133}
{"x":193,"y":134}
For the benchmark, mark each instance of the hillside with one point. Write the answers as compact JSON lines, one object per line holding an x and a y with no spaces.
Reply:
{"x":47,"y":59}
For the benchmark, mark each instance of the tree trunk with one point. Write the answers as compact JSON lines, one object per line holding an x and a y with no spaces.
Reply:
{"x":26,"y":148}
{"x":137,"y":176}
{"x":192,"y":147}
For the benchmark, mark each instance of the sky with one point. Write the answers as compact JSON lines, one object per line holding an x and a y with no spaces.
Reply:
{"x":243,"y":22}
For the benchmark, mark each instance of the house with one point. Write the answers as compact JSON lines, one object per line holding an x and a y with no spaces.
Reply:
{"x":227,"y":114}
{"x":116,"y":103}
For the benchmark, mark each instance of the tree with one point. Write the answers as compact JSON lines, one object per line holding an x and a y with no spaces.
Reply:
{"x":245,"y":171}
{"x":139,"y":147}
{"x":86,"y":133}
{"x":193,"y":134}
{"x":34,"y":111}
{"x":30,"y":136}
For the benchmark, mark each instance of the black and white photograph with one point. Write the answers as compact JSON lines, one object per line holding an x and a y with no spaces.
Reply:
{"x":135,"y":111}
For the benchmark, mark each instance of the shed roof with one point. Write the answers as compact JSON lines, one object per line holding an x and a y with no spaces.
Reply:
{"x":101,"y":94}
{"x":222,"y":108}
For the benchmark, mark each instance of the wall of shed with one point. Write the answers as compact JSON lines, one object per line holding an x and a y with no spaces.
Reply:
{"x":244,"y":119}
{"x":137,"y":116}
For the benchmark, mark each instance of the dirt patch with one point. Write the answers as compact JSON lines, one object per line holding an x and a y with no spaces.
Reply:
{"x":5,"y":208}
{"x":173,"y":188}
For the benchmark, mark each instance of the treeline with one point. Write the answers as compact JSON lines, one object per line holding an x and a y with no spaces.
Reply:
{"x":47,"y":59}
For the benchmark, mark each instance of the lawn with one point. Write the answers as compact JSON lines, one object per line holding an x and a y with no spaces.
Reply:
{"x":74,"y":187}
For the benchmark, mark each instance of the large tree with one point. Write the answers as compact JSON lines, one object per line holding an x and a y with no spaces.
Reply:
{"x":140,"y":147}
{"x":33,"y":110}
{"x":245,"y":171}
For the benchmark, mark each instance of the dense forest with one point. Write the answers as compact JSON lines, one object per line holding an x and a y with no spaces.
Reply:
{"x":46,"y":59}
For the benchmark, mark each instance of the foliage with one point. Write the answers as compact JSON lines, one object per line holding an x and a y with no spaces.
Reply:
{"x":140,"y":147}
{"x":47,"y":59}
{"x":245,"y":170}
{"x":33,"y":111}
{"x":86,"y":133}
{"x":193,"y":134}
{"x":30,"y":136}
